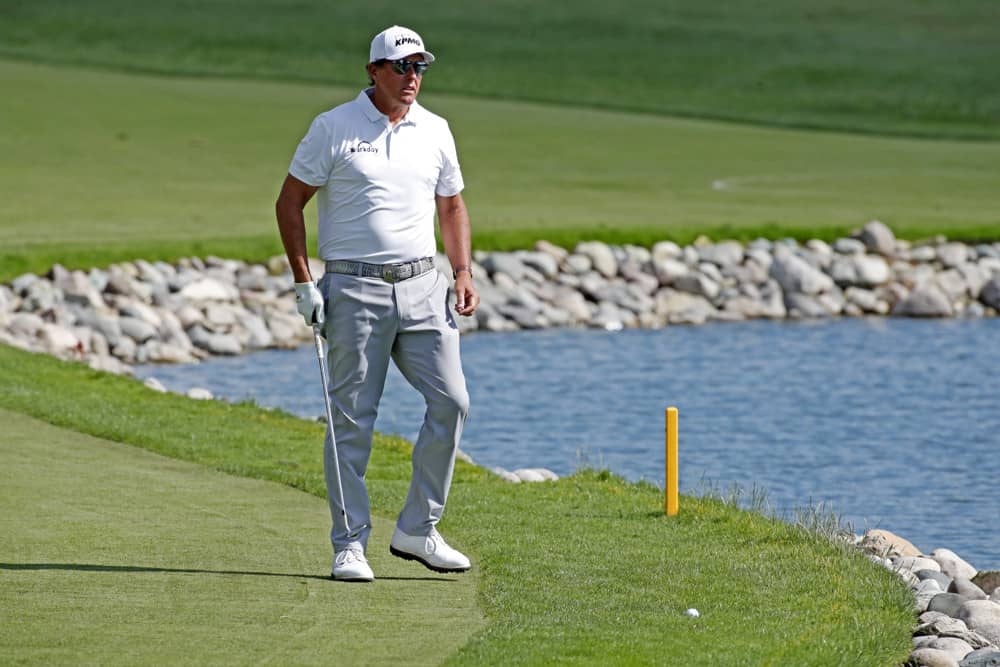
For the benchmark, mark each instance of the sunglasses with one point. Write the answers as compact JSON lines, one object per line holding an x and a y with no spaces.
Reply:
{"x":404,"y":66}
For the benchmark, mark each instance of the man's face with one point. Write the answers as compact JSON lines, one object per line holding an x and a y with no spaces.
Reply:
{"x":391,"y":85}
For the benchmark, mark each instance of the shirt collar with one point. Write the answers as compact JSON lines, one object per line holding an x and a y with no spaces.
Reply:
{"x":374,"y":115}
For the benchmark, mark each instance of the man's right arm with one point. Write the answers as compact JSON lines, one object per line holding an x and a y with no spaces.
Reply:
{"x":291,"y":224}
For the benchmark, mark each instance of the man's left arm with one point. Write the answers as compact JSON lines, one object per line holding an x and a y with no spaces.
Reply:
{"x":456,"y":235}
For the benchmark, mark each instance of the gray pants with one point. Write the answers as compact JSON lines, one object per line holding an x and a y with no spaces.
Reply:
{"x":367,"y":322}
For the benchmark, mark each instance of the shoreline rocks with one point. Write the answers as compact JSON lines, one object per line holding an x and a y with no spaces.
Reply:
{"x":154,"y":312}
{"x":957,"y":606}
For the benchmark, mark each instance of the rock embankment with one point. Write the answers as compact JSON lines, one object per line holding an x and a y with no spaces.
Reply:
{"x":154,"y":312}
{"x":958,"y":606}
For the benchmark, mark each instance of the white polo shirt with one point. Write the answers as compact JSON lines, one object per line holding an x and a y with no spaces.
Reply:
{"x":377,"y":182}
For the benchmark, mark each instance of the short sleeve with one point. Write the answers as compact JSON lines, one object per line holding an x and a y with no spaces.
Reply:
{"x":313,"y":159}
{"x":450,"y":181}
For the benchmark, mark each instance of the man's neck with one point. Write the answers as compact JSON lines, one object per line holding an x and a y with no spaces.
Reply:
{"x":395,"y":112}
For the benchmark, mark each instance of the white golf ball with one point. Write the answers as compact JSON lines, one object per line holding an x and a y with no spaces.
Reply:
{"x":692,"y":612}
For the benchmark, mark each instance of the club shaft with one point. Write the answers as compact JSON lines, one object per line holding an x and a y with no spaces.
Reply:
{"x":324,"y":375}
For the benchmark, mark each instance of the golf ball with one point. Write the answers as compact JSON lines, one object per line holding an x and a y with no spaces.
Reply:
{"x":692,"y":612}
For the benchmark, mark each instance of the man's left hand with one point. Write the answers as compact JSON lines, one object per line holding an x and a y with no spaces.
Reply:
{"x":466,"y":296}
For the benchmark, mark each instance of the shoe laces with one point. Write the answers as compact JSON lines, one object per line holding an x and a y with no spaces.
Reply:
{"x":350,"y":555}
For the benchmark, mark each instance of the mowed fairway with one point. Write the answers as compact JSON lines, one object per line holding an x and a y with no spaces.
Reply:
{"x":100,"y":166}
{"x":115,"y":555}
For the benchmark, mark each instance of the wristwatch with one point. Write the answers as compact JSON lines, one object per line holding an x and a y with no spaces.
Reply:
{"x":454,"y":274}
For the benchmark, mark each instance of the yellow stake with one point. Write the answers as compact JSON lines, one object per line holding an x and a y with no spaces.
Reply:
{"x":671,"y":490}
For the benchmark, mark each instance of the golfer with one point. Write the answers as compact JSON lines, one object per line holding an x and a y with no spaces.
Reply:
{"x":381,"y":165}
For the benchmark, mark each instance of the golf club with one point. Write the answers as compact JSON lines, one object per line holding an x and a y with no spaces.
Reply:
{"x":321,"y":355}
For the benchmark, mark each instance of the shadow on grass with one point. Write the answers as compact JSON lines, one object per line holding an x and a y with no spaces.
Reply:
{"x":84,"y":567}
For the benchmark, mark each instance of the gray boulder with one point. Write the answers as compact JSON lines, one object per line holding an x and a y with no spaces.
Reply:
{"x":983,"y":617}
{"x":795,"y":274}
{"x":952,"y":254}
{"x":138,"y":330}
{"x":931,"y":657}
{"x":601,"y":255}
{"x":983,"y":657}
{"x":878,"y":238}
{"x":990,"y":293}
{"x":966,"y":589}
{"x":924,"y":301}
{"x":952,"y":564}
{"x":947,"y":603}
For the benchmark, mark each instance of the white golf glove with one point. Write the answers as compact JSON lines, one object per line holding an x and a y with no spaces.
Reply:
{"x":309,"y":302}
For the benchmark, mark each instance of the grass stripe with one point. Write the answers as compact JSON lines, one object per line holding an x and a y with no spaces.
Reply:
{"x":115,"y":555}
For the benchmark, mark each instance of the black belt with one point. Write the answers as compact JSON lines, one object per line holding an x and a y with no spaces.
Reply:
{"x":390,"y":273}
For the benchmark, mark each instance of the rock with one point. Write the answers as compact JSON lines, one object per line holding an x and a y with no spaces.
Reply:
{"x":953,"y":565}
{"x":916,"y":563}
{"x":215,"y":343}
{"x":576,"y":264}
{"x":534,"y":474}
{"x":697,"y":283}
{"x":682,"y":308}
{"x":930,"y":657}
{"x":136,"y":329}
{"x":849,"y":247}
{"x":947,"y":603}
{"x":507,"y":475}
{"x":867,"y":300}
{"x":884,"y":543}
{"x":987,"y":580}
{"x":800,"y":305}
{"x":924,"y":301}
{"x":984,"y":657}
{"x":943,"y":580}
{"x":543,"y":262}
{"x":966,"y":589}
{"x":505,"y":262}
{"x":726,"y":253}
{"x":209,"y":289}
{"x":943,"y":627}
{"x":668,"y":270}
{"x":952,"y":254}
{"x":601,"y":256}
{"x":556,"y":252}
{"x":199,"y":394}
{"x":878,"y":238}
{"x":795,"y":275}
{"x":59,"y":340}
{"x":25,"y":325}
{"x":990,"y":293}
{"x":983,"y":617}
{"x":665,"y":250}
{"x":155,"y":385}
{"x":125,"y":349}
{"x":109,"y":365}
{"x":953,"y":646}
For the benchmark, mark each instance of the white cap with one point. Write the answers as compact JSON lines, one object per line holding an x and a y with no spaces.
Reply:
{"x":397,"y":42}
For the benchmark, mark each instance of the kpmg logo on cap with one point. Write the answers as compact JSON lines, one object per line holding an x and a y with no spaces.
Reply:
{"x":408,"y":40}
{"x":363,"y":147}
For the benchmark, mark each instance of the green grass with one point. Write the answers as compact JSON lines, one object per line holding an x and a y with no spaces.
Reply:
{"x":898,"y":66}
{"x":115,"y":555}
{"x":101,"y":167}
{"x":583,"y":571}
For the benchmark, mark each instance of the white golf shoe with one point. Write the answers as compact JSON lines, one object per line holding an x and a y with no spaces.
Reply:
{"x":351,"y":565}
{"x":430,"y":550}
